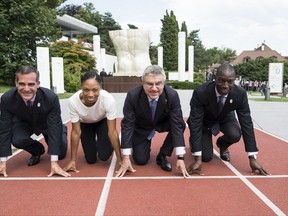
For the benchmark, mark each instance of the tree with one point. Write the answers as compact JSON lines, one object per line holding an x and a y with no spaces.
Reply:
{"x":169,"y":41}
{"x":131,"y":26}
{"x":76,"y":62}
{"x":258,"y":69}
{"x":24,"y":25}
{"x":200,"y":59}
{"x":108,"y":24}
{"x":70,"y":10}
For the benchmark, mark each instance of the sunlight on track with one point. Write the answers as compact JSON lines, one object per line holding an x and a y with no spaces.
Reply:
{"x":265,"y":199}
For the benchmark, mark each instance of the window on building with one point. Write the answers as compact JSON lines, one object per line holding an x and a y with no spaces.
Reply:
{"x":246,"y":59}
{"x":259,"y":58}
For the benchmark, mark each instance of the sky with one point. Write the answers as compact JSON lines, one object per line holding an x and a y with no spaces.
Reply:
{"x":238,"y":25}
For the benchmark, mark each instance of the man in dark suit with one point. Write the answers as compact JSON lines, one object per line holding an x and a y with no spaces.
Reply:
{"x":213,"y":107}
{"x":140,"y":122}
{"x":27,"y":109}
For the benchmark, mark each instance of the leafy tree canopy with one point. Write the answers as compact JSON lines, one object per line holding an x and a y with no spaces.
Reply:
{"x":24,"y":25}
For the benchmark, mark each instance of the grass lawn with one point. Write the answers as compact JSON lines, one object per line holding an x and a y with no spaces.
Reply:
{"x":4,"y":88}
{"x":273,"y":98}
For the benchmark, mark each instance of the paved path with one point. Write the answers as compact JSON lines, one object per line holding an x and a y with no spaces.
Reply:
{"x":271,"y":117}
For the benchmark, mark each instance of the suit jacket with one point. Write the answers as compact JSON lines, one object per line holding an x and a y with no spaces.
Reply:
{"x":204,"y":113}
{"x":46,"y":118}
{"x":138,"y":118}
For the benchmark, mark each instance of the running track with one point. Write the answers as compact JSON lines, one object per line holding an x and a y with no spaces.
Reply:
{"x":225,"y":189}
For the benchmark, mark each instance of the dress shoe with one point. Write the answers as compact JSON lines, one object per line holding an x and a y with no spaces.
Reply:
{"x":224,"y":153}
{"x":35,"y":159}
{"x":164,"y":164}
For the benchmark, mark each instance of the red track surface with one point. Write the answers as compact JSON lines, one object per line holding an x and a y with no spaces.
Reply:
{"x":225,"y":189}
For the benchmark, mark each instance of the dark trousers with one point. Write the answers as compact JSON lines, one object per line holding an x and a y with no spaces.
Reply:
{"x":95,"y":140}
{"x":231,"y":134}
{"x":142,"y":146}
{"x":21,"y":139}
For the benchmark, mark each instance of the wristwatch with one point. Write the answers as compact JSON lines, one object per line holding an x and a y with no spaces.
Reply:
{"x":180,"y":157}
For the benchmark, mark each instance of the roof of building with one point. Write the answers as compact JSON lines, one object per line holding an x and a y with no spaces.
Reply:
{"x":262,"y":51}
{"x":71,"y":25}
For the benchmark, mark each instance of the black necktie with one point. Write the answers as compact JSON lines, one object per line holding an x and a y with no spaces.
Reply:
{"x":220,"y":104}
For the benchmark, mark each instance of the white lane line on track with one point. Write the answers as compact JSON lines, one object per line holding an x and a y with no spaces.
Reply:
{"x":270,"y":134}
{"x":265,"y":199}
{"x":105,"y":191}
{"x":137,"y":178}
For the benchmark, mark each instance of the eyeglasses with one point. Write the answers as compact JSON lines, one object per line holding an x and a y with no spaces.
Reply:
{"x":151,"y":85}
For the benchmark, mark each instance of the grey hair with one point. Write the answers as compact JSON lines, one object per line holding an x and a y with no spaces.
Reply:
{"x":154,"y":70}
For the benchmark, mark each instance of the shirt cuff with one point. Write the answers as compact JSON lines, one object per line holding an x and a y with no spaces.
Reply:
{"x":180,"y":150}
{"x":3,"y":159}
{"x":54,"y":157}
{"x":252,"y":154}
{"x":126,"y":151}
{"x":198,"y":153}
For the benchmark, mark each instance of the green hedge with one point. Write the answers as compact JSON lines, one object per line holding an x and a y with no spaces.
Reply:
{"x":199,"y":78}
{"x":183,"y":85}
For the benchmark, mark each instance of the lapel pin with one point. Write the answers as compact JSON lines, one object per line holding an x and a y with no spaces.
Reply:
{"x":231,"y":101}
{"x":38,"y":104}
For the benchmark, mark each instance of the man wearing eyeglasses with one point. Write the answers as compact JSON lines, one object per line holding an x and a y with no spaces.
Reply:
{"x":149,"y":108}
{"x":213,"y":106}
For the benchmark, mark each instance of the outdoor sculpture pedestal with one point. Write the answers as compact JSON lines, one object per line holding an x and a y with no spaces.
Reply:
{"x":119,"y":84}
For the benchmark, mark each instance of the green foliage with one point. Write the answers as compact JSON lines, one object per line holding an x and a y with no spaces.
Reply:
{"x":131,"y":26}
{"x":183,"y":85}
{"x":153,"y":52}
{"x":200,"y":59}
{"x":23,"y":26}
{"x":76,"y":62}
{"x":108,"y":24}
{"x":169,"y":41}
{"x":199,"y":78}
{"x":258,"y":70}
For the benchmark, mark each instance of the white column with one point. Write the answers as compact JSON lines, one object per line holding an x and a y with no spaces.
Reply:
{"x":191,"y":63}
{"x":160,"y":56}
{"x":181,"y":56}
{"x":43,"y":66}
{"x":96,"y":50}
{"x":57,"y":75}
{"x":103,"y":59}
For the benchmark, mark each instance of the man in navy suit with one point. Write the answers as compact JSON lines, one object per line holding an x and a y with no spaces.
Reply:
{"x":213,"y":106}
{"x":140,"y":122}
{"x":27,"y":109}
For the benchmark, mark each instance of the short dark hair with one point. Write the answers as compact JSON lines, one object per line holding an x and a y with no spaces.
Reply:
{"x":26,"y":69}
{"x":91,"y":75}
{"x":226,"y":67}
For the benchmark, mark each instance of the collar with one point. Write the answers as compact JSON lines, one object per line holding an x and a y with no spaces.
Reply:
{"x":32,"y":99}
{"x":149,"y":99}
